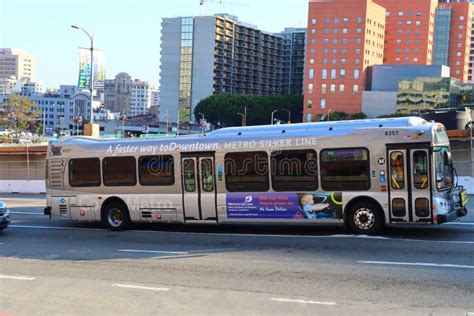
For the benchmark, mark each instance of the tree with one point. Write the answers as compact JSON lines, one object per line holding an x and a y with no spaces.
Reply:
{"x":222,"y":109}
{"x":20,"y":111}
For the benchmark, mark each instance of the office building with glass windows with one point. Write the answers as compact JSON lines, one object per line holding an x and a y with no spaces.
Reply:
{"x":452,"y":40}
{"x":340,"y":46}
{"x":204,"y":55}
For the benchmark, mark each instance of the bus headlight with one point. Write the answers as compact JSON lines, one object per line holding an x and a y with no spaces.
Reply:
{"x":441,"y":205}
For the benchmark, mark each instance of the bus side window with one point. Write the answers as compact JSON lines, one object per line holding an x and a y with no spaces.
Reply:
{"x":420,"y":174}
{"x":397,"y":167}
{"x":189,"y":176}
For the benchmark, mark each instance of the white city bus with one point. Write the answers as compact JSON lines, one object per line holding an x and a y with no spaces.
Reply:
{"x":359,"y":174}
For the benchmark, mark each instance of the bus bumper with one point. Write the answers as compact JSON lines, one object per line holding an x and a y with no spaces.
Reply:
{"x":451,"y":216}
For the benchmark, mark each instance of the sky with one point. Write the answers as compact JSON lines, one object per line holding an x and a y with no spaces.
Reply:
{"x":127,"y":31}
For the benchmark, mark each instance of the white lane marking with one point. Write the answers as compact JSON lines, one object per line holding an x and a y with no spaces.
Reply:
{"x":155,"y":251}
{"x":257,"y":235}
{"x":138,"y":287}
{"x":460,"y":223}
{"x":27,"y":213}
{"x":20,"y":278}
{"x":422,"y":264}
{"x":286,"y":300}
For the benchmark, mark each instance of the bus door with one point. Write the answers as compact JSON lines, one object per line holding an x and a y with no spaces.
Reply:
{"x":199,"y":190}
{"x":409,"y":184}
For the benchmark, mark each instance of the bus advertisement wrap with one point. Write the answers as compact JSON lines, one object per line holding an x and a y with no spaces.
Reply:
{"x":326,"y":205}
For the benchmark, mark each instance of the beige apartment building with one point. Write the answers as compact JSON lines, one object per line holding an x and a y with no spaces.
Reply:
{"x":18,"y":63}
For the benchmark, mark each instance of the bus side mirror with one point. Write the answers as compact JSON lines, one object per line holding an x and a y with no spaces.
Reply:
{"x":447,"y":158}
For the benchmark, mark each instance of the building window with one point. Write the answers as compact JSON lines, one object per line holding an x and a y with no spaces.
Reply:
{"x":418,"y":13}
{"x":357,"y":61}
{"x":311,"y":73}
{"x":343,"y":51}
{"x":343,"y":61}
{"x":311,"y":50}
{"x":313,"y":41}
{"x":334,"y":50}
{"x":359,"y":30}
{"x":355,"y":89}
{"x":358,"y":40}
{"x":313,"y":21}
{"x":345,"y":20}
{"x":459,"y":35}
{"x":313,"y":31}
{"x":310,"y":88}
{"x":324,"y":74}
{"x":323,"y":88}
{"x":325,"y":61}
{"x":336,"y":31}
{"x":334,"y":61}
{"x":397,"y":59}
{"x":398,"y":50}
{"x":459,"y":45}
{"x":417,"y":32}
{"x":418,"y":22}
{"x":332,"y":88}
{"x":333,"y":73}
{"x":310,"y":104}
{"x":334,"y":40}
{"x":342,"y":73}
{"x":311,"y":60}
{"x":400,"y":13}
{"x":356,"y":73}
{"x":399,"y":23}
{"x":461,"y":18}
{"x":359,"y":20}
{"x":326,"y":40}
{"x":341,"y":88}
{"x":325,"y":51}
{"x":326,"y":21}
{"x":344,"y":41}
{"x":357,"y":51}
{"x":336,"y":21}
{"x":387,"y":13}
{"x":399,"y":32}
{"x":327,"y":31}
{"x":461,"y":27}
{"x":458,"y":54}
{"x":344,"y":30}
{"x":323,"y":103}
{"x":457,"y":72}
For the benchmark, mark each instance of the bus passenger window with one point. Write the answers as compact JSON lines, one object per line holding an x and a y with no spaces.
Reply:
{"x":189,"y":176}
{"x":246,"y":172}
{"x":420,"y":163}
{"x":84,"y":172}
{"x":156,"y":170}
{"x":294,"y":170}
{"x":119,"y":171}
{"x":345,"y":169}
{"x":207,"y":176}
{"x":397,"y":170}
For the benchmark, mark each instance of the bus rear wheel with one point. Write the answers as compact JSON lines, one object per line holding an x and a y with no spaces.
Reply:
{"x":115,"y":216}
{"x":365,"y":217}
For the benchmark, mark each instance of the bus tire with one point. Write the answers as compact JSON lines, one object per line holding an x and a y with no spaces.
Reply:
{"x":115,"y":216}
{"x":365,"y":217}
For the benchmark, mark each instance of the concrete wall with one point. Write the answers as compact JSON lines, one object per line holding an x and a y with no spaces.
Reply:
{"x":375,"y":103}
{"x":203,"y":60}
{"x":169,"y":69}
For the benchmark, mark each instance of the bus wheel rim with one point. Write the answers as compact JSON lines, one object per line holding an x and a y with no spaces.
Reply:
{"x":364,"y":218}
{"x":115,"y":217}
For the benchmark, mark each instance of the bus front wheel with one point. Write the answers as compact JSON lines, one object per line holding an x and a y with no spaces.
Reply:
{"x":115,"y":216}
{"x":365,"y":217}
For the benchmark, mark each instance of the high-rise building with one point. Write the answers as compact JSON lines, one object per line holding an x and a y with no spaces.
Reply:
{"x":340,"y":45}
{"x":140,"y":98}
{"x":18,"y":63}
{"x":293,"y":66}
{"x":117,"y":93}
{"x":452,"y":40}
{"x":409,"y":31}
{"x":204,"y":55}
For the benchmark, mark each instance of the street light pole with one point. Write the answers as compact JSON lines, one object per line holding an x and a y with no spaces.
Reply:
{"x":91,"y":84}
{"x":272,"y":115}
{"x":289,"y":115}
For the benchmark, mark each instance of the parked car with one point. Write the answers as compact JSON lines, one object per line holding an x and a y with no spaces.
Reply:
{"x":5,"y":132}
{"x":4,"y":215}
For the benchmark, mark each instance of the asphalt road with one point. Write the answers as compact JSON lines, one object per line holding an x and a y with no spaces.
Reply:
{"x":62,"y":267}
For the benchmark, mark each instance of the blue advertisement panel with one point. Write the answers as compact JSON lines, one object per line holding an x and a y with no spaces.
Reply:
{"x":294,"y":205}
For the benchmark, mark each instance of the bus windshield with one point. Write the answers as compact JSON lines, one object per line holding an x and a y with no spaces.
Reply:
{"x":444,"y":169}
